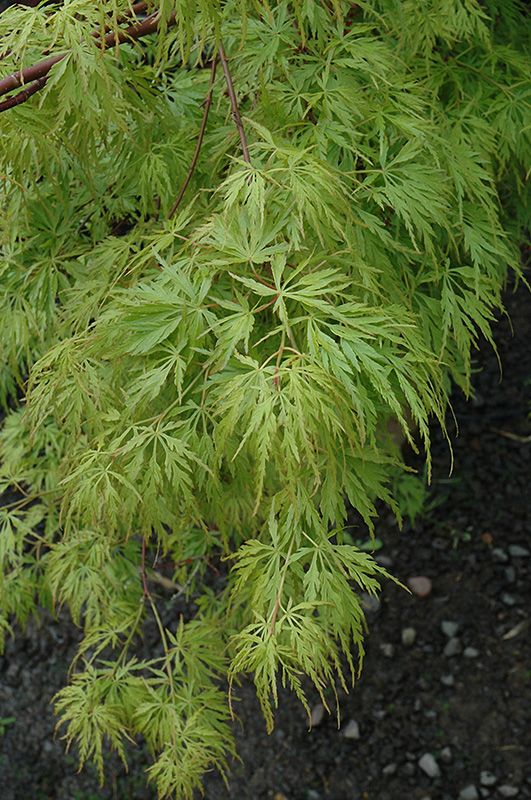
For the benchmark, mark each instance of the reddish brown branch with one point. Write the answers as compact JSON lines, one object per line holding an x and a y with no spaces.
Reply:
{"x":191,"y":170}
{"x":40,"y":70}
{"x":234,"y":104}
{"x":21,"y":97}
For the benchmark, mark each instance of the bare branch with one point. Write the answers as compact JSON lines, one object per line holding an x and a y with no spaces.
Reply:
{"x":234,"y":104}
{"x":208,"y":103}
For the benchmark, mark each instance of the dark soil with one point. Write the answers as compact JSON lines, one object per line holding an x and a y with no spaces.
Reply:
{"x":470,"y":711}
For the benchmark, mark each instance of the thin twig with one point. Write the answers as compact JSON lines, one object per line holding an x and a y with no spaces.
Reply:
{"x":234,"y":104}
{"x":143,"y":572}
{"x":40,"y":70}
{"x":191,"y":170}
{"x":513,"y":436}
{"x":160,"y":626}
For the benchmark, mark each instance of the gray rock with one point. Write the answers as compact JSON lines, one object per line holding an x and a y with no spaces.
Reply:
{"x":370,"y":603}
{"x":311,"y":794}
{"x":470,"y":652}
{"x":316,"y":715}
{"x":515,"y":551}
{"x":507,"y":791}
{"x":499,"y":555}
{"x":387,"y":649}
{"x":409,"y":769}
{"x":446,"y":755}
{"x":510,"y":574}
{"x":429,"y":766}
{"x":389,"y":769}
{"x":384,"y":561}
{"x":507,"y":599}
{"x":469,"y":793}
{"x":449,"y":628}
{"x":447,"y":680}
{"x":453,"y":647}
{"x":351,"y":730}
{"x":486,"y":778}
{"x":408,"y":637}
{"x":420,"y":585}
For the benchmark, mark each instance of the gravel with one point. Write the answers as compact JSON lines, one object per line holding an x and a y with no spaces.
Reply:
{"x":449,"y":628}
{"x":487,"y":778}
{"x":351,"y":730}
{"x":420,"y":585}
{"x":453,"y":648}
{"x":408,"y":637}
{"x":446,"y":755}
{"x":515,"y":551}
{"x":429,"y":766}
{"x":508,"y":791}
{"x":469,"y":793}
{"x":317,"y":715}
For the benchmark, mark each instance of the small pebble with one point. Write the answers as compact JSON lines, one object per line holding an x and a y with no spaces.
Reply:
{"x":429,"y":766}
{"x":311,"y":794}
{"x":453,"y":648}
{"x":387,"y":649}
{"x":517,"y":552}
{"x":420,"y":585}
{"x":470,"y":652}
{"x":500,"y":555}
{"x":447,"y":680}
{"x":446,"y":755}
{"x":510,"y":574}
{"x":507,"y":599}
{"x":449,"y":628}
{"x":408,"y":636}
{"x":351,"y":730}
{"x":370,"y":603}
{"x":316,"y":715}
{"x":409,"y":769}
{"x":389,"y":769}
{"x":469,"y":793}
{"x":486,"y":778}
{"x":384,"y":561}
{"x":507,"y":791}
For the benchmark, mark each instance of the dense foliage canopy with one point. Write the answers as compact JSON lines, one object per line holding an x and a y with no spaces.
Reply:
{"x":237,"y":239}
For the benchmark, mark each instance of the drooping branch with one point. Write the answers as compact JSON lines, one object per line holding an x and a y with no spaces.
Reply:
{"x":234,"y":104}
{"x":208,"y":103}
{"x":35,"y":74}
